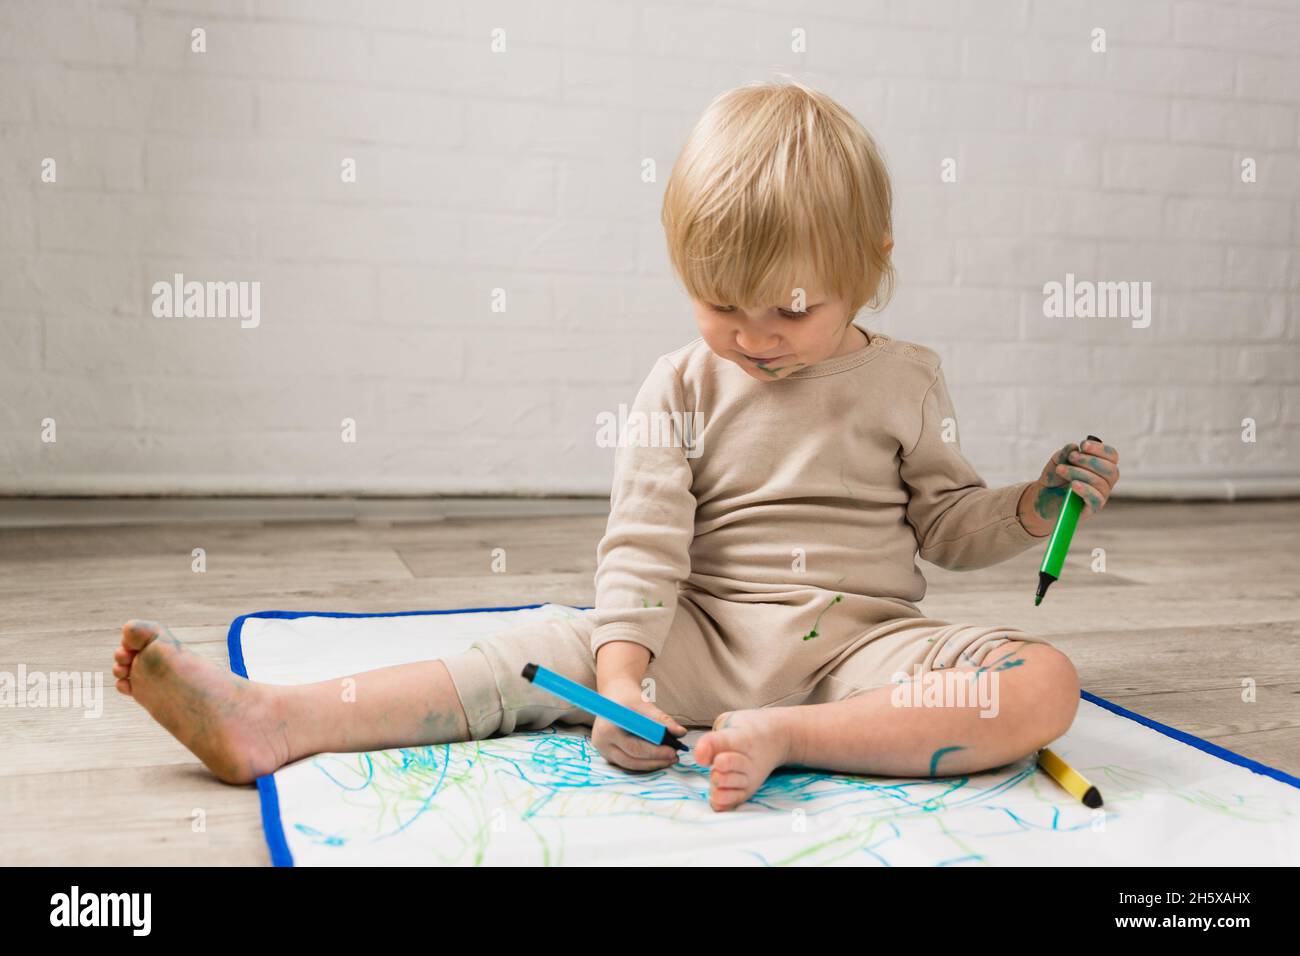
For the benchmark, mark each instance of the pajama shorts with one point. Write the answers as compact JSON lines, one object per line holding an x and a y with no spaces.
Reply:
{"x":702,"y":672}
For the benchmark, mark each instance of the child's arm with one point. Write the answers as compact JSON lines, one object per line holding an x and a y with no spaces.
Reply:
{"x":960,"y":523}
{"x":645,"y":551}
{"x":621,"y":662}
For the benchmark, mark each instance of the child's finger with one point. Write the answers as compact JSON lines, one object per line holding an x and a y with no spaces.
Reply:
{"x":1101,"y":449}
{"x":632,"y":761}
{"x":1102,"y":466}
{"x":643,"y":749}
{"x":1076,"y":473}
{"x":1092,"y":501}
{"x":671,"y":724}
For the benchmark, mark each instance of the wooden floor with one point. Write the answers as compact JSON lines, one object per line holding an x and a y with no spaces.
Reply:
{"x":1196,"y":601}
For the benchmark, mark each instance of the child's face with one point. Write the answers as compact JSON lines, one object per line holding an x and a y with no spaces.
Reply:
{"x":774,"y":342}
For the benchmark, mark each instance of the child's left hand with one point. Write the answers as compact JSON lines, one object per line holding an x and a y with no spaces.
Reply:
{"x":1091,"y":473}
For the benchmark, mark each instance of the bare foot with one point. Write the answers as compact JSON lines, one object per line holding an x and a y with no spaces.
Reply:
{"x":743,"y":747}
{"x":228,"y":722}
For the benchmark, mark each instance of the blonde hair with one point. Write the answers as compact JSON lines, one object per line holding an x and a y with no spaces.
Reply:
{"x":775,"y":176}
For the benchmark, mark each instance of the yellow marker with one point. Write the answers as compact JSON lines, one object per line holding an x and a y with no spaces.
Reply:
{"x":1073,"y":782}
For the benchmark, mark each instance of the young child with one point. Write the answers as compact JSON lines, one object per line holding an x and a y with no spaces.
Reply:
{"x":757,"y":575}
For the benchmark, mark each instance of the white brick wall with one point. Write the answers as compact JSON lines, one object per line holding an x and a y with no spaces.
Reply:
{"x":521,"y":171}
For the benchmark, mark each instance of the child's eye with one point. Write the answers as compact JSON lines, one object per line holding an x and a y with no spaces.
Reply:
{"x":789,"y":314}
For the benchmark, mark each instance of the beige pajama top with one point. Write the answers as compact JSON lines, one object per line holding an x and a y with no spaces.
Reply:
{"x":786,"y":516}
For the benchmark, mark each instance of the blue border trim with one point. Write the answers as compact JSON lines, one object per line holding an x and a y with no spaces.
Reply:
{"x":273,"y":826}
{"x":272,"y":822}
{"x":268,"y":796}
{"x":1213,"y":750}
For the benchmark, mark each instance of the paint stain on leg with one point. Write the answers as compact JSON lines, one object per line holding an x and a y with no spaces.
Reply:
{"x":937,"y":755}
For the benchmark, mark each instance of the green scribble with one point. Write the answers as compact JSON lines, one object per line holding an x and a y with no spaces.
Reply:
{"x":814,"y":632}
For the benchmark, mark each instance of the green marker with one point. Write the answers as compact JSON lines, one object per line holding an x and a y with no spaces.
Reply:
{"x":1059,"y":543}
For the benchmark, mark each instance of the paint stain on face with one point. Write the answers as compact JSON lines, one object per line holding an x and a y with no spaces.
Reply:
{"x":780,"y":368}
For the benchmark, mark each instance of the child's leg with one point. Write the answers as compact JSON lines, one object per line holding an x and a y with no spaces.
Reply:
{"x":1036,"y":699}
{"x":242,"y":729}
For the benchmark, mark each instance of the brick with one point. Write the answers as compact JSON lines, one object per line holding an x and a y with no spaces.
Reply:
{"x":1168,"y":169}
{"x":1020,"y":160}
{"x":1124,"y":22}
{"x":260,"y":49}
{"x":20,"y":343}
{"x":1022,"y":261}
{"x":388,"y":233}
{"x":1236,"y":220}
{"x":1098,"y":113}
{"x":1168,"y":265}
{"x":1257,"y":267}
{"x":1268,"y":78}
{"x":103,"y":160}
{"x":461,"y":298}
{"x":1261,"y":364}
{"x":1247,"y":127}
{"x":88,"y":97}
{"x":956,"y":315}
{"x":1163,"y":69}
{"x":1094,"y":214}
{"x":475,"y":181}
{"x":16,"y":95}
{"x":1219,"y":27}
{"x":919,"y":104}
{"x":893,"y":52}
{"x":355,"y":114}
{"x":1157,"y":364}
{"x":18,"y":224}
{"x":66,"y":33}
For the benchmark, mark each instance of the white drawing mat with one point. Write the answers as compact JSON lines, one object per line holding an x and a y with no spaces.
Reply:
{"x":550,"y":798}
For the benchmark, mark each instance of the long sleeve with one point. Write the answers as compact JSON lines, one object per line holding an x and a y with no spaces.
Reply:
{"x":645,"y":551}
{"x":960,"y":523}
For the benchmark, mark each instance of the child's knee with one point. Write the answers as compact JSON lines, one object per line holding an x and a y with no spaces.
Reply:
{"x":1052,"y":687}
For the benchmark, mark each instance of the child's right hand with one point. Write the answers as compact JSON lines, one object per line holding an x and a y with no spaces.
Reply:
{"x":628,"y":750}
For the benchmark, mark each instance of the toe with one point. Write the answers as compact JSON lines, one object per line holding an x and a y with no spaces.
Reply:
{"x":727,"y":799}
{"x":123,"y":687}
{"x":137,"y":634}
{"x":726,"y":780}
{"x":706,"y":748}
{"x":123,"y":655}
{"x":121,"y":671}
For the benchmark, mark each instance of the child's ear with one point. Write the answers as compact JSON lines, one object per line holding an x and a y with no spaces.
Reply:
{"x":889,"y":243}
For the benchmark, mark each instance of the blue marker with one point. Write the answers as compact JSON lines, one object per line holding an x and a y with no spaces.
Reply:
{"x":600,"y":705}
